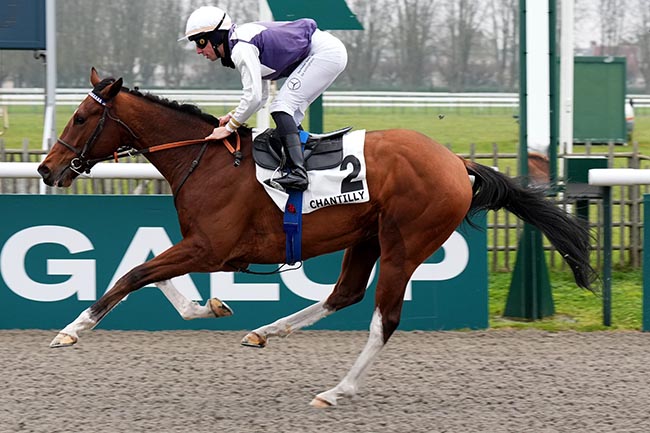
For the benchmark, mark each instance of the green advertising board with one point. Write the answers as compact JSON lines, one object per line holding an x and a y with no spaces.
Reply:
{"x":59,"y":253}
{"x":599,"y":100}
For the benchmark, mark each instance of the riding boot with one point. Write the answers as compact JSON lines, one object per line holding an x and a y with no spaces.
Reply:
{"x":297,"y":178}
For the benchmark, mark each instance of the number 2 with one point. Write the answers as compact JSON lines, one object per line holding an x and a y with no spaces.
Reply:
{"x":349,"y":184}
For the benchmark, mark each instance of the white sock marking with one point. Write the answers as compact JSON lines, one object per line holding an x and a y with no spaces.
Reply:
{"x":350,"y":383}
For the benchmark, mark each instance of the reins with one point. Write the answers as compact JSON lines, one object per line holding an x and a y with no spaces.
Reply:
{"x":235,"y":151}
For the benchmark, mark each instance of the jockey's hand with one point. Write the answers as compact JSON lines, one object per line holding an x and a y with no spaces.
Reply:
{"x":218,"y":133}
{"x":225,"y":119}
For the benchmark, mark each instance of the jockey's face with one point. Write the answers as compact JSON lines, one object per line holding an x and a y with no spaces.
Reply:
{"x":209,"y":53}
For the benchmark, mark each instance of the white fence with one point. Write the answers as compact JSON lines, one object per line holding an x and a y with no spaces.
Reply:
{"x":619,"y":176}
{"x":36,"y":96}
{"x":28,"y":170}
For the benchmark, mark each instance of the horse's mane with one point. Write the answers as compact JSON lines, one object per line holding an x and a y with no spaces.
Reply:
{"x":174,"y":105}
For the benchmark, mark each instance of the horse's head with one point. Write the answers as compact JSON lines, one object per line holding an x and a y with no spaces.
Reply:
{"x":92,"y":133}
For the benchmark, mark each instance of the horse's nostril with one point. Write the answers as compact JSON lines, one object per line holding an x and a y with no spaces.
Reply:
{"x":43,"y":170}
{"x":46,"y":174}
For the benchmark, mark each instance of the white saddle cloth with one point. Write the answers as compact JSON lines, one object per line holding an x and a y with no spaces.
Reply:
{"x":340,"y":185}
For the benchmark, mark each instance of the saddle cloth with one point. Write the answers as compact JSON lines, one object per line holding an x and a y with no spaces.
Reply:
{"x":343,"y":184}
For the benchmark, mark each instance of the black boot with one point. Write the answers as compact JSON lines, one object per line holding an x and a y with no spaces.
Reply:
{"x":297,"y":178}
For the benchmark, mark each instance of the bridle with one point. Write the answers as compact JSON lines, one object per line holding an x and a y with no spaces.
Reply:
{"x":81,"y":164}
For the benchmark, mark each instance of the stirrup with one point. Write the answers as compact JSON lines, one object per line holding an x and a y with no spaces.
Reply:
{"x":273,"y":184}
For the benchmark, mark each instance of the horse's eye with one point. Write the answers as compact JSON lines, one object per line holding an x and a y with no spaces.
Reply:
{"x":78,"y":120}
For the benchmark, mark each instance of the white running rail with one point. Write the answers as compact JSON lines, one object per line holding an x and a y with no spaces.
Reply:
{"x":73,"y":96}
{"x":27,"y":170}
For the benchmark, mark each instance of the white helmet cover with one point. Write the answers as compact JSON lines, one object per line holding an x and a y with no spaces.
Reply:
{"x":207,"y":19}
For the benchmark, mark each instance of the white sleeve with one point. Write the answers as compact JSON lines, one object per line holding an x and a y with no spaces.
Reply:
{"x":246,"y":60}
{"x":265,"y":91}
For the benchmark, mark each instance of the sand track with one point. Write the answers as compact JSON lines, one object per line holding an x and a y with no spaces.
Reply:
{"x":204,"y":381}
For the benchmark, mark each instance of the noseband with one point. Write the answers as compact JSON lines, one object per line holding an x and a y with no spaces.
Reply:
{"x":81,"y":164}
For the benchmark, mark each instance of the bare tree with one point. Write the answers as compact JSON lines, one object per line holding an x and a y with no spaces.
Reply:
{"x":504,"y":33}
{"x":585,"y":21}
{"x":612,"y":21}
{"x":405,"y":44}
{"x":413,"y":46}
{"x":162,"y":49}
{"x":82,"y":42}
{"x":462,"y":24}
{"x":642,"y":32}
{"x":365,"y":47}
{"x":22,"y":68}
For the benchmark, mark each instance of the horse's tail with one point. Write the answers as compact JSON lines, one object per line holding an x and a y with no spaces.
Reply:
{"x":568,"y":234}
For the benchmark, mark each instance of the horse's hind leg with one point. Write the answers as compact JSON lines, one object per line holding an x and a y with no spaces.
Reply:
{"x":189,"y":309}
{"x":350,"y":288}
{"x":401,"y":253}
{"x":348,"y":386}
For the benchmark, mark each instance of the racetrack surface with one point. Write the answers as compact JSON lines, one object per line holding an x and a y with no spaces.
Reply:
{"x":204,"y":381}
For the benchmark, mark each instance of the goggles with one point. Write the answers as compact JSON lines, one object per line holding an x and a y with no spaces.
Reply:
{"x":201,"y":40}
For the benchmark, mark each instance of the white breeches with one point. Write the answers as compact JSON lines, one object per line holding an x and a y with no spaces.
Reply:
{"x":327,"y":59}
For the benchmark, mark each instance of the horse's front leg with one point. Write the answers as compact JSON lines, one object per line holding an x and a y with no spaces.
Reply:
{"x":189,"y":309}
{"x":178,"y":260}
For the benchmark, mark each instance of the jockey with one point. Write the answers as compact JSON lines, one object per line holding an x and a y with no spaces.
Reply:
{"x":309,"y":58}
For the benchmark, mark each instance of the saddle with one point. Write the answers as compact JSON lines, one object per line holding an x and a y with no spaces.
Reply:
{"x":322,"y":151}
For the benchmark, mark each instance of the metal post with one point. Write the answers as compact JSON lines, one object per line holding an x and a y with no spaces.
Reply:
{"x":553,"y":94}
{"x":566,"y":77}
{"x":49,"y":123}
{"x":263,"y":121}
{"x":530,"y":294}
{"x":607,"y":256}
{"x":49,"y":127}
{"x":523,"y":94}
{"x":316,"y":116}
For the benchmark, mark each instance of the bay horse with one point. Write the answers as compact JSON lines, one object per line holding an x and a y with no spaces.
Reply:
{"x":419,"y":193}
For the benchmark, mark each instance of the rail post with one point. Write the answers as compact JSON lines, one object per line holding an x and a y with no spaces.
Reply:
{"x":606,"y":178}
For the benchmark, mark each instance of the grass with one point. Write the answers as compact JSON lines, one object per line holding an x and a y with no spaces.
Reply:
{"x":576,"y":309}
{"x":459,"y":127}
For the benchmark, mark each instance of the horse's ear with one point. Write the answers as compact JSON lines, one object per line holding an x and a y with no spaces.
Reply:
{"x":113,"y":89}
{"x":94,"y":77}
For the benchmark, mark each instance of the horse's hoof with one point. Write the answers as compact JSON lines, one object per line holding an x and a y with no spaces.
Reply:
{"x":253,"y":339}
{"x":219,"y":308}
{"x":63,"y":340}
{"x":319,"y":403}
